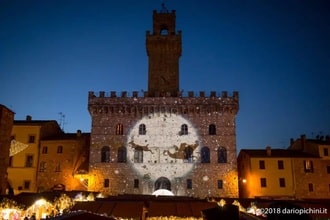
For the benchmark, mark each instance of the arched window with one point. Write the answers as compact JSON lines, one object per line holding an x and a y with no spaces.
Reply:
{"x":188,"y":154}
{"x":205,"y":155}
{"x":121,"y":157}
{"x":212,"y":129}
{"x":138,"y":155}
{"x":119,"y":129}
{"x":222,"y":155}
{"x":184,"y":129}
{"x":59,"y":149}
{"x":142,"y":129}
{"x":105,"y":154}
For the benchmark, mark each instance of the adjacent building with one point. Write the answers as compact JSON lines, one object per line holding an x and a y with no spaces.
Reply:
{"x":300,"y":172}
{"x":6,"y":124}
{"x":62,"y":159}
{"x":24,"y":160}
{"x":162,"y":138}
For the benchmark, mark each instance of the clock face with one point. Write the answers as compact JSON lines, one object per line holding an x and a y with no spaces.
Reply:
{"x":163,"y":145}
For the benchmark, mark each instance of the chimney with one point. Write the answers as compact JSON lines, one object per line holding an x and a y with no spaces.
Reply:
{"x":303,"y":141}
{"x":29,"y":118}
{"x":291,"y":141}
{"x":78,"y":133}
{"x":269,"y":151}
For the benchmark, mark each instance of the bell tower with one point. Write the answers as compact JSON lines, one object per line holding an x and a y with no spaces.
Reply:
{"x":164,"y":50}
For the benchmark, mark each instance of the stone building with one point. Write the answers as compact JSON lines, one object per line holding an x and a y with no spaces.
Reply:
{"x":6,"y":124}
{"x":62,"y":158}
{"x":163,"y":140}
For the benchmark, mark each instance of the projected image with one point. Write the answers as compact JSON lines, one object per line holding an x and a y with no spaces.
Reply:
{"x":163,"y":145}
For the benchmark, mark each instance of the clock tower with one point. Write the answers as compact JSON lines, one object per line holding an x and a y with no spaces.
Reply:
{"x":164,"y":50}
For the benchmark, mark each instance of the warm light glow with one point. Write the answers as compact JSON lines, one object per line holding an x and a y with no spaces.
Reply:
{"x":222,"y":203}
{"x":40,"y":202}
{"x":244,"y":180}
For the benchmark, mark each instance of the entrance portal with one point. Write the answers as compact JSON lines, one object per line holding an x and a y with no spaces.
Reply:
{"x":163,"y":183}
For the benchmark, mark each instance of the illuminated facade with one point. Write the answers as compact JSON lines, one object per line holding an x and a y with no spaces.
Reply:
{"x":163,"y":139}
{"x":300,"y":172}
{"x":23,"y":165}
{"x":62,"y":159}
{"x":6,"y":124}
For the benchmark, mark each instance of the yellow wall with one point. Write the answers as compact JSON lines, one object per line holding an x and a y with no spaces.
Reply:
{"x":253,"y":188}
{"x":18,"y":173}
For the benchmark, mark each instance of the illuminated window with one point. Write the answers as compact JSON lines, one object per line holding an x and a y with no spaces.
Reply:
{"x":42,"y":166}
{"x":184,"y":129}
{"x":262,"y":165}
{"x":212,"y":129}
{"x":119,"y":129}
{"x":189,"y":183}
{"x":29,"y":161}
{"x":205,"y":155}
{"x":222,"y":155}
{"x":121,"y":156}
{"x":59,"y":149}
{"x":310,"y":187}
{"x":26,"y":184}
{"x":44,"y":150}
{"x":106,"y":183}
{"x":31,"y":139}
{"x":263,"y":182}
{"x":308,"y":166}
{"x":220,"y":184}
{"x":282,"y":182}
{"x":136,"y":183}
{"x":105,"y":154}
{"x":280,"y":164}
{"x":188,"y":154}
{"x":142,"y":129}
{"x":138,"y":155}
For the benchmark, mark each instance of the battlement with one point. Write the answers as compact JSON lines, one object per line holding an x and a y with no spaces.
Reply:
{"x":144,"y":94}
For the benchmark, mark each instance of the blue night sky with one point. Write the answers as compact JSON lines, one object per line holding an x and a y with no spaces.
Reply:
{"x":275,"y":53}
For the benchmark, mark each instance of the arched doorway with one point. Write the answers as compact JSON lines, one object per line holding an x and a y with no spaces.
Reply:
{"x":163,"y":183}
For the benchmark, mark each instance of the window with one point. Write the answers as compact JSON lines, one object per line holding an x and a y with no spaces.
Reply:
{"x":142,"y":129}
{"x":42,"y":166}
{"x":282,"y":182}
{"x":189,"y":183}
{"x":328,"y":169}
{"x":222,"y":155}
{"x":325,"y":152}
{"x":121,"y":156}
{"x":263,"y":182}
{"x":308,"y":166}
{"x":26,"y":184}
{"x":164,"y":31}
{"x":205,"y":154}
{"x":188,"y":153}
{"x":59,"y":149}
{"x":58,"y":166}
{"x":29,"y":161}
{"x":136,"y":183}
{"x":220,"y":184}
{"x":262,"y":164}
{"x":106,"y":183}
{"x":10,"y":164}
{"x":31,"y":139}
{"x":44,"y":150}
{"x":119,"y":129}
{"x":212,"y":129}
{"x":310,"y":187}
{"x":280,"y":164}
{"x":184,"y":129}
{"x":138,"y":155}
{"x":105,"y":154}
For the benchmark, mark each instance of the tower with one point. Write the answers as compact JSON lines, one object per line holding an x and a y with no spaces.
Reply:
{"x":164,"y":50}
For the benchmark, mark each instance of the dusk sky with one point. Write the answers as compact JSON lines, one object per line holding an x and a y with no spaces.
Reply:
{"x":276,"y":53}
